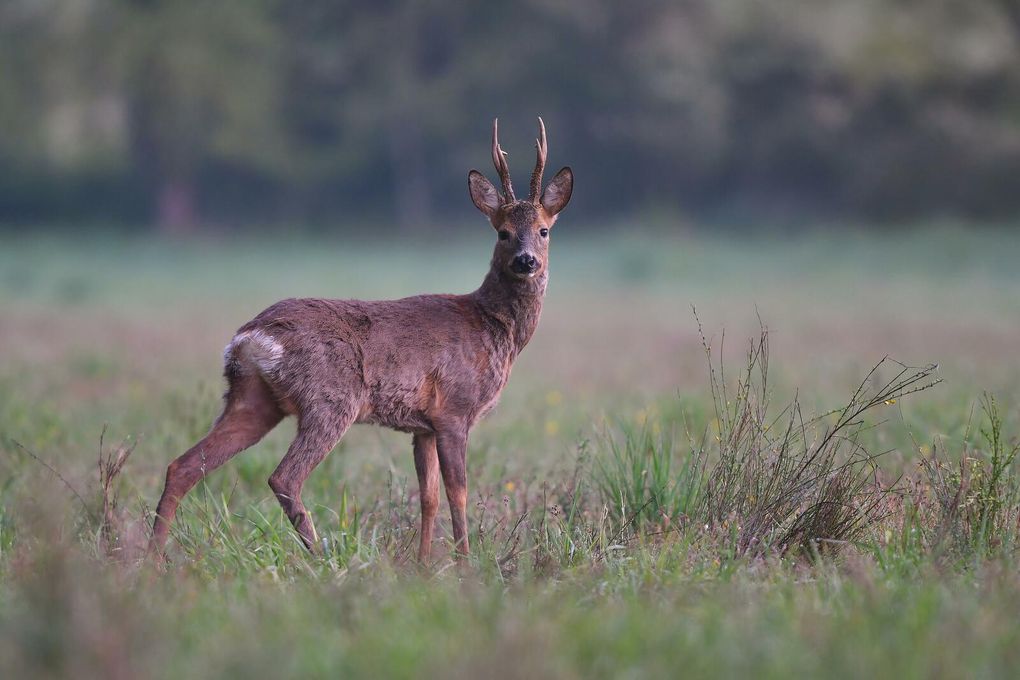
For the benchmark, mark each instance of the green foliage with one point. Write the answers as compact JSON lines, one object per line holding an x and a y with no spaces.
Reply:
{"x":642,"y":480}
{"x":6,"y":531}
{"x":267,"y":110}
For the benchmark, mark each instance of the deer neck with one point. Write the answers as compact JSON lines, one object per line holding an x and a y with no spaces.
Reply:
{"x":515,"y":304}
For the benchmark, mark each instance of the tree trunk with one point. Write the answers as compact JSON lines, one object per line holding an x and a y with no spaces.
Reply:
{"x":1011,"y":8}
{"x":175,"y":207}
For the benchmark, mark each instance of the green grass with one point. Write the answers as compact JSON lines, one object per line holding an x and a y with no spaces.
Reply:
{"x":629,"y":516}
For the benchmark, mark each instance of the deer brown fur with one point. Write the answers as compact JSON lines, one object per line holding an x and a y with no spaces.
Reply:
{"x":429,"y":365}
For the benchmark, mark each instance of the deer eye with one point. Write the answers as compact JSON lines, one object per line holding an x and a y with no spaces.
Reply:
{"x":503,"y":234}
{"x":544,"y":232}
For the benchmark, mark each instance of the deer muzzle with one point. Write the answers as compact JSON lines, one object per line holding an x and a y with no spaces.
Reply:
{"x":524,"y":264}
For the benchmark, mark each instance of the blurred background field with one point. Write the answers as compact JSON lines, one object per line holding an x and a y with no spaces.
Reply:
{"x":97,"y":327}
{"x":844,"y":174}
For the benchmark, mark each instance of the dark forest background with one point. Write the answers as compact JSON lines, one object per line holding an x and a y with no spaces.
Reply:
{"x":182,"y":114}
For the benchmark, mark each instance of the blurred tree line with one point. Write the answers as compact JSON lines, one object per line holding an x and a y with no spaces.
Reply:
{"x":183,"y":112}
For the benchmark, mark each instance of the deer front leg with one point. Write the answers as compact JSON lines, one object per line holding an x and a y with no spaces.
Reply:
{"x":452,"y":452}
{"x":426,"y":464}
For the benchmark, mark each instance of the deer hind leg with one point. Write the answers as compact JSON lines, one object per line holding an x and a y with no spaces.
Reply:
{"x":315,"y":438}
{"x":249,"y":414}
{"x":426,"y":464}
{"x":452,"y":452}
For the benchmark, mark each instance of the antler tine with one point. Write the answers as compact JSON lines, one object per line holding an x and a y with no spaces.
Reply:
{"x":542,"y":150}
{"x":499,"y":160}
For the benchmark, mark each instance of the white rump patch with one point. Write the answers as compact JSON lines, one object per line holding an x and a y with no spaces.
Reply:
{"x":254,"y":348}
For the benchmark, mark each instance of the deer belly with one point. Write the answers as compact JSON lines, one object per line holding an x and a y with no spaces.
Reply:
{"x":393,"y":409}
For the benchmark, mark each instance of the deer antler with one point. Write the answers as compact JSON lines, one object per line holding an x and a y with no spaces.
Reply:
{"x":499,"y":160}
{"x":542,"y":151}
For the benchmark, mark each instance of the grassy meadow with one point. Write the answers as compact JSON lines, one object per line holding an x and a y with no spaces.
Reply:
{"x":786,"y":503}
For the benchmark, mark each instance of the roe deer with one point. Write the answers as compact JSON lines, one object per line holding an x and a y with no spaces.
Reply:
{"x":430,"y":365}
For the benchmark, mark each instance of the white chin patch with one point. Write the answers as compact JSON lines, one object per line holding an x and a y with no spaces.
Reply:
{"x":521,"y":275}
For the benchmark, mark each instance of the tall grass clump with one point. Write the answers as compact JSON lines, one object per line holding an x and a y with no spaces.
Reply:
{"x":971,"y":508}
{"x":770,"y":480}
{"x":642,"y":479}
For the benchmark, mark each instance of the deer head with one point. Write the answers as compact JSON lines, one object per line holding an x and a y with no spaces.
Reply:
{"x":522,"y":226}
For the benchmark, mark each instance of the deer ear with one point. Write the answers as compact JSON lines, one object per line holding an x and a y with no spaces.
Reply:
{"x":557,"y":194}
{"x":483,"y":194}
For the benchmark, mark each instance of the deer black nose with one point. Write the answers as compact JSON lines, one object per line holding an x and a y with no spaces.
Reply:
{"x":525,"y":263}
